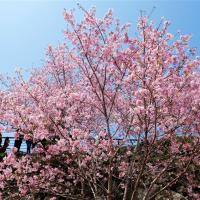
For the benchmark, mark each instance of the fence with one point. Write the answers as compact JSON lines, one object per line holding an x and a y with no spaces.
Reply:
{"x":11,"y":145}
{"x":23,"y":147}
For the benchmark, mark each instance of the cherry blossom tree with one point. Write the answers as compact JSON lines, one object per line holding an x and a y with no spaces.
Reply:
{"x":102,"y":84}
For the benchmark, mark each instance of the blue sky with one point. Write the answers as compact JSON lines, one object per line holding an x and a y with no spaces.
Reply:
{"x":27,"y":27}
